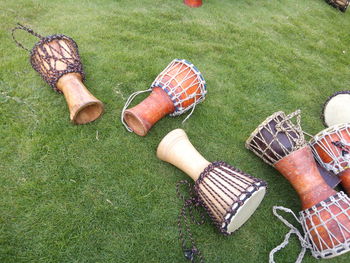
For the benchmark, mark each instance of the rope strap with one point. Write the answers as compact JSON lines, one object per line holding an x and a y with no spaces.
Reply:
{"x":27,"y":29}
{"x":128,"y":102}
{"x":190,"y":204}
{"x":293,"y":230}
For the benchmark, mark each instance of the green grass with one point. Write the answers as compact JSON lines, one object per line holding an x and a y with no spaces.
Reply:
{"x":96,"y":193}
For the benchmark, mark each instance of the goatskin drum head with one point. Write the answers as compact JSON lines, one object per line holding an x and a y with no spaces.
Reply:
{"x":246,"y":210}
{"x":336,"y":110}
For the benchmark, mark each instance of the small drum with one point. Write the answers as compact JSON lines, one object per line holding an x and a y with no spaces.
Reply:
{"x":342,"y":5}
{"x":324,"y":229}
{"x":193,"y":3}
{"x":229,"y":196}
{"x":179,"y":88}
{"x":331,"y":148}
{"x":56,"y":59}
{"x":336,"y":109}
{"x":277,"y":137}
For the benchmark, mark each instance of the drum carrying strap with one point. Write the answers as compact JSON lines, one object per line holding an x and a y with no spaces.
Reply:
{"x":27,"y":29}
{"x":293,"y":230}
{"x":190,"y":204}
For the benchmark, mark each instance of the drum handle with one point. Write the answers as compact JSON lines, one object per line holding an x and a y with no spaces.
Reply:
{"x":128,"y":102}
{"x":190,"y":204}
{"x":27,"y":29}
{"x":293,"y":230}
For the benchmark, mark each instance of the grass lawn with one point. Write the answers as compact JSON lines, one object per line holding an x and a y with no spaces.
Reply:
{"x":97,"y":193}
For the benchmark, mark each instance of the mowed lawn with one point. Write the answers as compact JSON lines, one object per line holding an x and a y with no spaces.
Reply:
{"x":97,"y":193}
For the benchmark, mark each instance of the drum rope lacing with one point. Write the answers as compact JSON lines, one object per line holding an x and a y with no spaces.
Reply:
{"x":312,"y":228}
{"x":191,"y":203}
{"x":45,"y":63}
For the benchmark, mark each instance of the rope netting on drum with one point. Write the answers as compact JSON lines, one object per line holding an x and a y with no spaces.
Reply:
{"x":222,"y":190}
{"x":333,"y":217}
{"x":189,"y":87}
{"x":331,"y":148}
{"x":277,"y":137}
{"x":53,"y":56}
{"x":326,"y":228}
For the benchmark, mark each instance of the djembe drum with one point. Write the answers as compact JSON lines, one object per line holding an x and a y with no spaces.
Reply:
{"x":193,"y":3}
{"x":179,"y":88}
{"x":326,"y":214}
{"x":342,"y":5}
{"x":229,"y":195}
{"x":56,"y":59}
{"x":336,"y":109}
{"x":331,"y":148}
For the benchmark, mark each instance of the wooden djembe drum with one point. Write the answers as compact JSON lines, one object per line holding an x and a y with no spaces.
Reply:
{"x":179,"y":88}
{"x":325,"y":217}
{"x":342,"y":5}
{"x":229,"y":195}
{"x":331,"y":148}
{"x":193,"y":3}
{"x":56,"y":59}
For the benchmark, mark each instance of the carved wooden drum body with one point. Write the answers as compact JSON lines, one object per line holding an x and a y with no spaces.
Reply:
{"x":229,"y":195}
{"x":56,"y":59}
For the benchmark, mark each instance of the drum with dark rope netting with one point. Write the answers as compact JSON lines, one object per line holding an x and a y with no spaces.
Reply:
{"x":229,"y":195}
{"x":56,"y":59}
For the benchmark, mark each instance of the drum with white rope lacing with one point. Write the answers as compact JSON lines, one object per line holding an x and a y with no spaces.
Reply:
{"x":325,"y":215}
{"x":177,"y":89}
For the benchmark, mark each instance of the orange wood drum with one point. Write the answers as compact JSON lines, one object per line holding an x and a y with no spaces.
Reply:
{"x":193,"y":3}
{"x":175,"y":90}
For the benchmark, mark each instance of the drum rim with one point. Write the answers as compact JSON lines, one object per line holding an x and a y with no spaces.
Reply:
{"x":260,"y":127}
{"x":320,"y":135}
{"x":202,"y":86}
{"x":257,"y":130}
{"x":323,"y":117}
{"x":230,"y":213}
{"x":326,"y":253}
{"x":48,"y":39}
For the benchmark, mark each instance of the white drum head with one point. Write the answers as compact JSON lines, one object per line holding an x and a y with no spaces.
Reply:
{"x":246,"y":210}
{"x":336,"y":110}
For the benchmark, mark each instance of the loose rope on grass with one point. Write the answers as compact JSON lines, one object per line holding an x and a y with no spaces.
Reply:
{"x":293,"y":230}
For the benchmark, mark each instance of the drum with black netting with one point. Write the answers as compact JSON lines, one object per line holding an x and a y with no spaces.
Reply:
{"x":280,"y":142}
{"x":277,"y":137}
{"x":56,"y":59}
{"x":336,"y":109}
{"x":177,"y":89}
{"x":342,"y":5}
{"x":331,"y":148}
{"x":229,"y":195}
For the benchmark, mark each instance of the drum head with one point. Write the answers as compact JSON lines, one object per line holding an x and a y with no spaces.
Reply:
{"x":246,"y":210}
{"x":336,"y":110}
